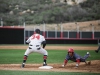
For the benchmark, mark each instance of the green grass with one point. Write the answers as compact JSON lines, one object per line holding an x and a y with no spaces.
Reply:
{"x":42,"y":73}
{"x":8,"y":56}
{"x":54,"y":56}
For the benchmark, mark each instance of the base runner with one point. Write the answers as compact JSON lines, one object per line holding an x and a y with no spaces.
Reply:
{"x":75,"y":57}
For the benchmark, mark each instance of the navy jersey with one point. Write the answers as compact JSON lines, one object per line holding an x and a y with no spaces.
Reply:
{"x":74,"y":57}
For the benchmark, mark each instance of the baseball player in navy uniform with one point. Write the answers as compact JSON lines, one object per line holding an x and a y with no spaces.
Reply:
{"x":75,"y":57}
{"x":97,"y":49}
{"x":37,"y":44}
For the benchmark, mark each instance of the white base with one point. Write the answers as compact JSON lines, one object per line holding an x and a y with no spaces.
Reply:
{"x":45,"y":67}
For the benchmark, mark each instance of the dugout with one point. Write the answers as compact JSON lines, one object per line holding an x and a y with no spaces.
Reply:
{"x":11,"y":35}
{"x":72,"y":41}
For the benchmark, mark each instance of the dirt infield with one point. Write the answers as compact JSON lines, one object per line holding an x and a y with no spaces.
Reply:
{"x":70,"y":67}
{"x":50,"y":47}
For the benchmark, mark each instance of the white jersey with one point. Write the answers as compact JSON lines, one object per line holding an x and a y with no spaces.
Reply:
{"x":35,"y":39}
{"x":35,"y":44}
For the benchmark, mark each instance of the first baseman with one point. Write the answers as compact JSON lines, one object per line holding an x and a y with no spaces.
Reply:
{"x":35,"y":45}
{"x":75,"y":57}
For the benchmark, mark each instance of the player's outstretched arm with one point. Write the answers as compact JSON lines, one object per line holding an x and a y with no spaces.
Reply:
{"x":77,"y":63}
{"x":65,"y":62}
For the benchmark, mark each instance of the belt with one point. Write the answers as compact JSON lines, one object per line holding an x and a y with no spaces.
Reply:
{"x":36,"y":45}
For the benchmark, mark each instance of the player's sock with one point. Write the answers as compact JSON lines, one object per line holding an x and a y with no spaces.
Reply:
{"x":24,"y":61}
{"x":25,"y":58}
{"x":44,"y":62}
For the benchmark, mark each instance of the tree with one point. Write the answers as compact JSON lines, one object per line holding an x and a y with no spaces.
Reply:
{"x":4,"y":6}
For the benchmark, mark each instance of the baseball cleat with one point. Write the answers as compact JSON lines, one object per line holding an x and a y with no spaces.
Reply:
{"x":44,"y":64}
{"x":88,"y":54}
{"x":96,"y":51}
{"x":89,"y":63}
{"x":23,"y":65}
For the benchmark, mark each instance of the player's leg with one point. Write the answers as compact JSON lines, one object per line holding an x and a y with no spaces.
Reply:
{"x":45,"y":54}
{"x":44,"y":60}
{"x":27,"y":52}
{"x":85,"y":57}
{"x":97,"y":49}
{"x":24,"y":61}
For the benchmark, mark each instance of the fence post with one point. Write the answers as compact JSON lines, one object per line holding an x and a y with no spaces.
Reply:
{"x":55,"y":31}
{"x":92,"y":31}
{"x":68,"y":34}
{"x":98,"y":41}
{"x":80,"y":35}
{"x":1,"y":22}
{"x":77,"y":35}
{"x":44,"y":30}
{"x":24,"y":33}
{"x":77,"y":32}
{"x":61,"y":34}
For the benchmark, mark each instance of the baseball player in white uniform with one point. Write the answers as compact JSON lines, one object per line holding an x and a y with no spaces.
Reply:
{"x":35,"y":45}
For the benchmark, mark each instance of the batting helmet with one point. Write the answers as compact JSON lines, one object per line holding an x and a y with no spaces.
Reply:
{"x":70,"y":50}
{"x":37,"y":31}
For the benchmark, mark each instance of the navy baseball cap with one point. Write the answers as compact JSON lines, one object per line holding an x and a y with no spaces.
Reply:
{"x":37,"y":30}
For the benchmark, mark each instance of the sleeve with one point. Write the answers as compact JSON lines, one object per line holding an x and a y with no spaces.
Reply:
{"x":28,"y":40}
{"x":43,"y":42}
{"x":43,"y":39}
{"x":77,"y":60}
{"x":66,"y":60}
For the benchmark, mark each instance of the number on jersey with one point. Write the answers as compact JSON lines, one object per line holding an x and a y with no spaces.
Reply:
{"x":36,"y":36}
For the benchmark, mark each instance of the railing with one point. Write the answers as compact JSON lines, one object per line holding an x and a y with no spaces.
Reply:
{"x":67,"y":35}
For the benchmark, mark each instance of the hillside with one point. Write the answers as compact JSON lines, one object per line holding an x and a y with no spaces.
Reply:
{"x":39,"y":11}
{"x":71,"y":26}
